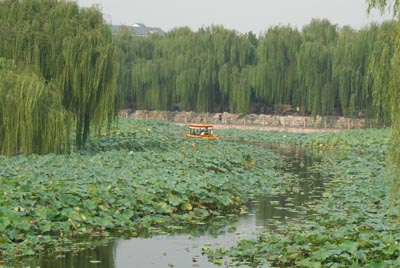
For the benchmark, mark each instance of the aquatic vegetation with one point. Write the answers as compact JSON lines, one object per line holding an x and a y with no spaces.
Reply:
{"x":144,"y":178}
{"x":353,"y":224}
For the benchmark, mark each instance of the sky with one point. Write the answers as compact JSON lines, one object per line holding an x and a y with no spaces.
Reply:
{"x":241,"y":15}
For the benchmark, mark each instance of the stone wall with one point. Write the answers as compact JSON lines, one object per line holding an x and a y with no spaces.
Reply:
{"x":262,"y":120}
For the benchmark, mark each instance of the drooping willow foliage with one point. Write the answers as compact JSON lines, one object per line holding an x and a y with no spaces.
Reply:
{"x":275,"y":78}
{"x":322,"y":69}
{"x":386,"y":67}
{"x":202,"y":71}
{"x":69,"y":53}
{"x":32,"y":117}
{"x":315,"y":64}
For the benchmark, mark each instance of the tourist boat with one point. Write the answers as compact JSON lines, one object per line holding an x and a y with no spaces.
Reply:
{"x":201,"y":131}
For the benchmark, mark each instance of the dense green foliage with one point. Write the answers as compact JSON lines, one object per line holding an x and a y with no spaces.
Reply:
{"x":387,"y":67}
{"x":63,"y":55}
{"x":322,"y":69}
{"x":31,"y":113}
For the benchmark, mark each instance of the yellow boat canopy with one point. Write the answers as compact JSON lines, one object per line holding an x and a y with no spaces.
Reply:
{"x":200,"y":126}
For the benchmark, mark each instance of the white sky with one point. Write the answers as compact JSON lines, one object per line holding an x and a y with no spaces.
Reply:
{"x":241,"y":15}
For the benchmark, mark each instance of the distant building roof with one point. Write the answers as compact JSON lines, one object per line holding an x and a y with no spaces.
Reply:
{"x":140,"y":29}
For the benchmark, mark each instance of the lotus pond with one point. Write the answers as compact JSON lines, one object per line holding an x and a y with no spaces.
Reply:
{"x":145,"y":179}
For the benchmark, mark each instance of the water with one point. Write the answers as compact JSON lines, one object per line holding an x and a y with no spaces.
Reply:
{"x":180,"y":250}
{"x":184,"y":250}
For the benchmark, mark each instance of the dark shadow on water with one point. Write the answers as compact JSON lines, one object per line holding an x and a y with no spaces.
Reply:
{"x":99,"y":257}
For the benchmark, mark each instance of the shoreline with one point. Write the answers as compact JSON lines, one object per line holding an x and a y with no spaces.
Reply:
{"x":287,"y":123}
{"x":273,"y":128}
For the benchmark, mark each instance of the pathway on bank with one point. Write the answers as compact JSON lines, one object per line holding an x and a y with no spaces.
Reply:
{"x":273,"y":128}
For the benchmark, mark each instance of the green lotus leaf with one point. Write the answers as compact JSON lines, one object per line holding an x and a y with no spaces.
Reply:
{"x":224,"y":199}
{"x":310,"y":264}
{"x":105,"y":221}
{"x":348,"y":246}
{"x":45,"y":226}
{"x":379,"y":264}
{"x":323,"y":254}
{"x":90,"y":204}
{"x":175,"y":200}
{"x":4,"y":223}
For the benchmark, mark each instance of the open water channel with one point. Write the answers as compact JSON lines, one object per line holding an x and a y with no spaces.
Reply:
{"x":183,"y":250}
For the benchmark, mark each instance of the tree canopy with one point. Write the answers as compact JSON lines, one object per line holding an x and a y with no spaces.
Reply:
{"x":70,"y":59}
{"x":322,"y":69}
{"x":386,"y":67}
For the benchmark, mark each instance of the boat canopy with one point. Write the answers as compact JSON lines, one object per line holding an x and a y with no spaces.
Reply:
{"x":200,"y":126}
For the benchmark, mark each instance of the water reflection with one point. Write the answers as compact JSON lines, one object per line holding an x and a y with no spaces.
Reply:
{"x":184,"y":250}
{"x":99,"y":257}
{"x":180,"y":250}
{"x":305,"y":185}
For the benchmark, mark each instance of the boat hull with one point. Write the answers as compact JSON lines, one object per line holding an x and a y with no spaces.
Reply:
{"x":203,"y":137}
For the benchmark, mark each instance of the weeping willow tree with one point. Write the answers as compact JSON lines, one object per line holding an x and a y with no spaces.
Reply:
{"x":189,"y":70}
{"x":276,"y":77}
{"x":123,"y":43}
{"x":32,"y":118}
{"x":241,"y":91}
{"x":351,"y":59}
{"x":322,"y":69}
{"x":178,"y":46}
{"x":379,"y":71}
{"x":315,"y":59}
{"x":391,"y":76}
{"x":66,"y":46}
{"x":89,"y":70}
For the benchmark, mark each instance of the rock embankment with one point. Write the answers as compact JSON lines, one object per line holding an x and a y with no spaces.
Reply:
{"x":292,"y":123}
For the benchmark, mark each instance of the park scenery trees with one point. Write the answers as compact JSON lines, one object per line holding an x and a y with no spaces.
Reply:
{"x":386,"y":68}
{"x":57,"y":67}
{"x":68,"y":172}
{"x":323,"y":69}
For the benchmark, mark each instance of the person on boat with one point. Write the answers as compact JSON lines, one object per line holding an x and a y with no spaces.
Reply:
{"x":204,"y":132}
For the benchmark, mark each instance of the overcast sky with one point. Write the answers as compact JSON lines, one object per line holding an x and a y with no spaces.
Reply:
{"x":240,"y":15}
